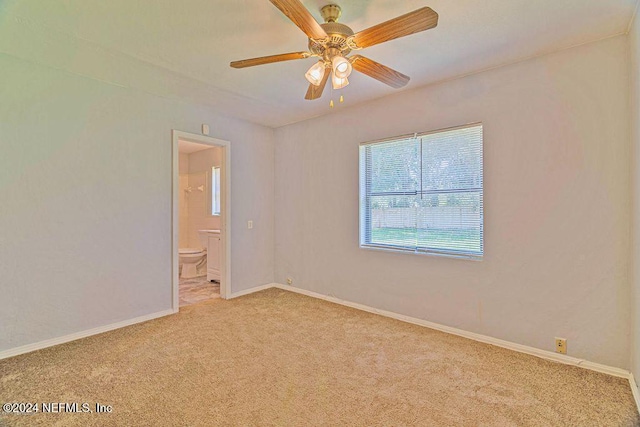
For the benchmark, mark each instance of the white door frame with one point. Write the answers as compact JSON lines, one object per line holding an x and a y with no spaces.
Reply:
{"x":225,"y":211}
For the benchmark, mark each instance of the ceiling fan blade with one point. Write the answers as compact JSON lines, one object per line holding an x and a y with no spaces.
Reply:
{"x":315,"y":92}
{"x":413,"y":22}
{"x":300,"y":16}
{"x":379,"y":72}
{"x":269,"y":59}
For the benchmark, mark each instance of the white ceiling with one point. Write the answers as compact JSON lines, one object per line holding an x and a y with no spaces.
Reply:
{"x":194,"y":41}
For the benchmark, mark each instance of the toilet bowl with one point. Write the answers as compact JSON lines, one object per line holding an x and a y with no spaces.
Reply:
{"x":191,"y":261}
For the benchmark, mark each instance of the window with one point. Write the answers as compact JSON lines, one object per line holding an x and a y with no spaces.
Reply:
{"x":423,"y":193}
{"x":215,"y":190}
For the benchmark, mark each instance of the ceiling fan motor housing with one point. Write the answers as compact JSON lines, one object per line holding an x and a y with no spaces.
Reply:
{"x":338,"y":34}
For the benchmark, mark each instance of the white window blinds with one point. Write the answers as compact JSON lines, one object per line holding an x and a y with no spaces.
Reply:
{"x":424,"y":193}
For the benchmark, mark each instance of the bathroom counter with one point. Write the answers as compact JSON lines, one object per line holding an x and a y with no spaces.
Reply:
{"x":210,"y":231}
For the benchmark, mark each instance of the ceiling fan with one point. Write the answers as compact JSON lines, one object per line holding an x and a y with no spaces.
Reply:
{"x":332,"y":41}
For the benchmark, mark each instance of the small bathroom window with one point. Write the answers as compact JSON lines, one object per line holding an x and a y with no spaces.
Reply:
{"x":215,"y":190}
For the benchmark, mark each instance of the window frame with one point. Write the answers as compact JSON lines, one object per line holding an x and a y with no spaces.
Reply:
{"x":362,"y":191}
{"x":214,"y":182}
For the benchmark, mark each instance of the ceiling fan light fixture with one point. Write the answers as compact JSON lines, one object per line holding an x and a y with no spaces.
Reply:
{"x":315,"y":74}
{"x":333,"y":41}
{"x":341,"y":67}
{"x":338,"y":82}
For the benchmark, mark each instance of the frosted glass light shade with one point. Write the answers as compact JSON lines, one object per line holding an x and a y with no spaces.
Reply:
{"x":316,"y":73}
{"x":337,"y":82}
{"x":341,"y":67}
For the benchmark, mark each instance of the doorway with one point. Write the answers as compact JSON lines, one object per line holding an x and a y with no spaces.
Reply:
{"x":215,"y":190}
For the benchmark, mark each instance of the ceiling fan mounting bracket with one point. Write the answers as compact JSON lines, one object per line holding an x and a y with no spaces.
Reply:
{"x":331,"y":12}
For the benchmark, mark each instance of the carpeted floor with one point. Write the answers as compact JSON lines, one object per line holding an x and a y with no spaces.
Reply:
{"x":275,"y":358}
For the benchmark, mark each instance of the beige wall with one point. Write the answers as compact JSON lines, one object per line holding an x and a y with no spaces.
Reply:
{"x":204,"y":160}
{"x":556,"y":153}
{"x":183,"y":207}
{"x":193,"y":210}
{"x":200,"y":164}
{"x":634,"y":60}
{"x":183,"y":211}
{"x":183,"y":163}
{"x":85,"y":185}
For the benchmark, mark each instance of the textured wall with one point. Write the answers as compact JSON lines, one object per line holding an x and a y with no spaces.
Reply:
{"x":557,"y":185}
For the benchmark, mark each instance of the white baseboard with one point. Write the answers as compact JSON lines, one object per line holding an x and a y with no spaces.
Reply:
{"x":252,"y":290}
{"x":634,"y":390}
{"x":83,"y":334}
{"x":544,"y":354}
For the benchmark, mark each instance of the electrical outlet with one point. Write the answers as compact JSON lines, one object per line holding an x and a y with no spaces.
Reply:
{"x":249,"y":224}
{"x":289,"y":280}
{"x":561,"y":345}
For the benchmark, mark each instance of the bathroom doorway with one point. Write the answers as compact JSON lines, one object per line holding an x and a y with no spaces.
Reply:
{"x":200,"y":219}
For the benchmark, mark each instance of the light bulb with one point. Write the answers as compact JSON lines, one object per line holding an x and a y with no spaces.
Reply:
{"x":316,"y":73}
{"x":341,"y":67}
{"x":337,"y":82}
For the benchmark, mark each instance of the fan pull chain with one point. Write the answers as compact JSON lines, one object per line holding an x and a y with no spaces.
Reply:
{"x":331,"y":103}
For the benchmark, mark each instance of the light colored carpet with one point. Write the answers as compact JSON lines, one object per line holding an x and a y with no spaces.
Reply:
{"x":275,"y":358}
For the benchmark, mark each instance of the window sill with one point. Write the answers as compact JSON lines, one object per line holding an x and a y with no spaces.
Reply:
{"x":428,"y":253}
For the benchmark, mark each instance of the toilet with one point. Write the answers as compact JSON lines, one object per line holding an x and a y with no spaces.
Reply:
{"x":193,"y":261}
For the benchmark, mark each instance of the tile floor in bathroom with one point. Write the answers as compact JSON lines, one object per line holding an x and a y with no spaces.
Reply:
{"x":197,"y":289}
